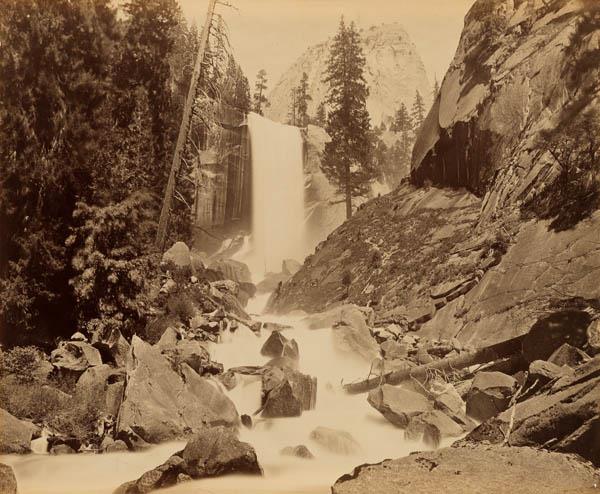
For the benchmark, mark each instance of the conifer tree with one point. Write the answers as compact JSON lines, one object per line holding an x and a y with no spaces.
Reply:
{"x":302,"y":98}
{"x":321,"y":116}
{"x":260,"y":88}
{"x":347,"y":158}
{"x":418,"y":111}
{"x":436,"y":88}
{"x":402,"y":122}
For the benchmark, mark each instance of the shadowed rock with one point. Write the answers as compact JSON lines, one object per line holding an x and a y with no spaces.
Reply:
{"x":398,"y":405}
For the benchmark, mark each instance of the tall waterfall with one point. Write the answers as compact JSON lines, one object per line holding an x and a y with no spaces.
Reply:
{"x":277,"y":194}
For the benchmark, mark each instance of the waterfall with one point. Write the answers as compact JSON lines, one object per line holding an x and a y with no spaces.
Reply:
{"x":277,"y":194}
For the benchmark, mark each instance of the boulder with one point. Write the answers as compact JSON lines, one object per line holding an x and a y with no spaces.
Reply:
{"x":451,"y":403}
{"x":564,"y":418}
{"x":472,"y":470}
{"x":432,"y":427}
{"x":105,"y":385}
{"x":336,"y":441}
{"x":75,"y":356}
{"x":393,"y":350}
{"x":228,"y":379}
{"x":111,"y":344}
{"x":190,"y":352}
{"x":544,"y":372}
{"x":299,"y":451}
{"x":278,"y":345}
{"x":15,"y":434}
{"x":287,"y":392}
{"x":489,"y":395}
{"x":568,"y":355}
{"x":62,"y":449}
{"x":398,"y":404}
{"x":8,"y":481}
{"x":216,"y":451}
{"x":116,"y":446}
{"x":179,"y":255}
{"x":232,"y":270}
{"x":159,"y":404}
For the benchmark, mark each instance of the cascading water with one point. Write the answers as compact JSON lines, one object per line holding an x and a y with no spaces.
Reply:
{"x":277,"y":194}
{"x":278,"y":218}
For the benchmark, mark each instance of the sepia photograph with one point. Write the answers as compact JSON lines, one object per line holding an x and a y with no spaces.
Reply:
{"x":300,"y":246}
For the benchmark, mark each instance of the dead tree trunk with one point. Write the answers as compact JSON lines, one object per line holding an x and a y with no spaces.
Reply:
{"x":481,"y":356}
{"x":163,"y":222}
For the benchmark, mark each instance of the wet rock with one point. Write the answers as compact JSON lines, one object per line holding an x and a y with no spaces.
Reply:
{"x":15,"y":434}
{"x":228,"y":379}
{"x":286,"y":392}
{"x":62,"y":449}
{"x":8,"y":481}
{"x":116,"y":446}
{"x":568,"y":355}
{"x":179,"y":255}
{"x":216,"y":451}
{"x":278,"y":345}
{"x":397,"y":404}
{"x":471,"y":469}
{"x":132,"y":440}
{"x":336,"y":441}
{"x":299,"y":451}
{"x":159,"y":404}
{"x":246,"y":421}
{"x":393,"y":350}
{"x":432,"y":427}
{"x":75,"y":356}
{"x":489,"y":395}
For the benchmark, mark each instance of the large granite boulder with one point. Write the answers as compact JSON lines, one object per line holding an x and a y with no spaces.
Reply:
{"x":160,"y":404}
{"x":8,"y":481}
{"x":489,"y":395}
{"x":397,"y":404}
{"x":287,"y":392}
{"x":15,"y":435}
{"x":335,"y":441}
{"x":179,"y":255}
{"x":230,"y":269}
{"x":111,"y":343}
{"x":433,"y":427}
{"x":211,"y":452}
{"x":105,"y":385}
{"x":75,"y":356}
{"x":472,"y":470}
{"x":278,"y":345}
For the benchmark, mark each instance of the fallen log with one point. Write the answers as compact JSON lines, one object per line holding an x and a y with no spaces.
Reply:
{"x":483,"y":355}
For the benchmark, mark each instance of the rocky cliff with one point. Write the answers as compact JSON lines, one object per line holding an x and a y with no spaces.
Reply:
{"x":464,"y":258}
{"x":522,"y":67}
{"x":394,"y":72}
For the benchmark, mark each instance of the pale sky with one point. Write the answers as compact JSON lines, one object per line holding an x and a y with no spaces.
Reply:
{"x":271,"y":34}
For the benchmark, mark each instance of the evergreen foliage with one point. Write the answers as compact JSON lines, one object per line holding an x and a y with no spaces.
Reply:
{"x":418,"y":111}
{"x":347,"y":159}
{"x":321,"y":116}
{"x":260,"y":90}
{"x":402,"y":121}
{"x":302,"y":99}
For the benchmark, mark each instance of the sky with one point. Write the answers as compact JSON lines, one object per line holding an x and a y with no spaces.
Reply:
{"x":272,"y":34}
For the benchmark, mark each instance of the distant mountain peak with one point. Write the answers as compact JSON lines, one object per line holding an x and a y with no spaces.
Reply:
{"x":394,"y":72}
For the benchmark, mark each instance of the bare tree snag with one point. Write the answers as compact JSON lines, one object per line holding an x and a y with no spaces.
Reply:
{"x":481,"y":356}
{"x":163,"y":222}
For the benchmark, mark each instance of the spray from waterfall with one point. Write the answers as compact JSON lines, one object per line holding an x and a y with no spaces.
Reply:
{"x":277,"y":195}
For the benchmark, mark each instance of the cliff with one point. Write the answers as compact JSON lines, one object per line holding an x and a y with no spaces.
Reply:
{"x":471,"y":257}
{"x":394,"y":72}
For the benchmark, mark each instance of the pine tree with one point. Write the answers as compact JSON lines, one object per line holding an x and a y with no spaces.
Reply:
{"x":436,"y":88}
{"x":292,"y":114}
{"x":402,"y":122}
{"x":321,"y":116}
{"x":260,"y":88}
{"x":418,"y":111}
{"x":302,"y":98}
{"x":347,"y":158}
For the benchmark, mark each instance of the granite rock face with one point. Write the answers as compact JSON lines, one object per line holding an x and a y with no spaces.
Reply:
{"x":394,"y":72}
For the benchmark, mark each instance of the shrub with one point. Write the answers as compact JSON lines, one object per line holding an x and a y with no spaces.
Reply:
{"x":35,"y":401}
{"x":23,"y":363}
{"x":111,"y":262}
